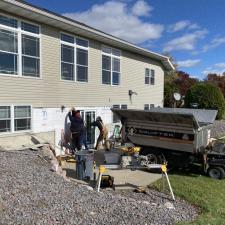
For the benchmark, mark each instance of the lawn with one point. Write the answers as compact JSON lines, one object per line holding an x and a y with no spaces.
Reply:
{"x":202,"y":191}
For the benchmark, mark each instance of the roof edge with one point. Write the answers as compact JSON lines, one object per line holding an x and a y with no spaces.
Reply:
{"x":23,"y":4}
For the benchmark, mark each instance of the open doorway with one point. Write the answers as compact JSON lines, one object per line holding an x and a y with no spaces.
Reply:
{"x":89,"y":117}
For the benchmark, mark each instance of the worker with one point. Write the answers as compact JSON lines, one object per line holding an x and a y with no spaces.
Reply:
{"x":103,"y":135}
{"x":76,"y":127}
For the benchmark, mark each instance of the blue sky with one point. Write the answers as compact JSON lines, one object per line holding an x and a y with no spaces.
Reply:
{"x":191,"y":31}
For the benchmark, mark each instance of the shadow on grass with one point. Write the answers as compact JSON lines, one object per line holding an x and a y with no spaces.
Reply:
{"x":193,"y":170}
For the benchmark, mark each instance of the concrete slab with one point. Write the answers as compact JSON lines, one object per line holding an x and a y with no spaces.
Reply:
{"x":123,"y":178}
{"x":128,"y":179}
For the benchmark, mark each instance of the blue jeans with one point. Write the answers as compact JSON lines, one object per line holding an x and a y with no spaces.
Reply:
{"x":83,"y":140}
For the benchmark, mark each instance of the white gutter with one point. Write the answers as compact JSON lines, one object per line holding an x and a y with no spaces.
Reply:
{"x":25,"y":5}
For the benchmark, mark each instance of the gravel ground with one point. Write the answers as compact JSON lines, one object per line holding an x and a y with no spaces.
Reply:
{"x":31,"y":194}
{"x":218,"y":129}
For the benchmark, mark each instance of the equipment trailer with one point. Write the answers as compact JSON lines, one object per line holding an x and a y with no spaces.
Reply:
{"x":179,"y":135}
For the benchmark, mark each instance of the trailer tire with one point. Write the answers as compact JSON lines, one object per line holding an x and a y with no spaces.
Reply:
{"x":216,"y":172}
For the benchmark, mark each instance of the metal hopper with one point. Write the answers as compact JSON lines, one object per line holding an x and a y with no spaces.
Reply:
{"x":180,"y":129}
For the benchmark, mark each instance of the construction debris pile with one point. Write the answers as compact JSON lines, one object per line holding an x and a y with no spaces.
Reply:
{"x":32,"y":193}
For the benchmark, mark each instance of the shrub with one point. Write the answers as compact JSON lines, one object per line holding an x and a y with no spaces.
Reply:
{"x":207,"y":96}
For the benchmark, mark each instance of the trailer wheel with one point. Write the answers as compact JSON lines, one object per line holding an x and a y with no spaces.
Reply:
{"x":216,"y":172}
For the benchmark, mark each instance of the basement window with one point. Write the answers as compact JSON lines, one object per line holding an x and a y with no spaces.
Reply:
{"x":15,"y":118}
{"x":116,"y":119}
{"x":146,"y":106}
{"x":5,"y":119}
{"x":22,"y":118}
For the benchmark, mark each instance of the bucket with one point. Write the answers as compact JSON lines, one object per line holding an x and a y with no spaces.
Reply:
{"x":84,"y":164}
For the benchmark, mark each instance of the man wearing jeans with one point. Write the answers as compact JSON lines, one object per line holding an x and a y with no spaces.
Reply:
{"x":77,"y":128}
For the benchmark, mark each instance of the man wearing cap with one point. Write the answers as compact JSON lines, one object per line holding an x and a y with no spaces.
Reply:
{"x":76,"y":127}
{"x":103,"y":135}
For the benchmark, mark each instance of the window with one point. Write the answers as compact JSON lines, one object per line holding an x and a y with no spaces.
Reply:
{"x":82,"y":65}
{"x":22,"y":118}
{"x":146,"y":106}
{"x":115,"y":117}
{"x":15,"y":118}
{"x":74,"y":58}
{"x":5,"y":119}
{"x":8,"y":52}
{"x":19,"y":48}
{"x":110,"y":66}
{"x":67,"y":62}
{"x":123,"y":106}
{"x":30,"y":56}
{"x":149,"y":76}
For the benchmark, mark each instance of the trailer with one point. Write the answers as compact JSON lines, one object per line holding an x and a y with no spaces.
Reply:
{"x":178,"y":135}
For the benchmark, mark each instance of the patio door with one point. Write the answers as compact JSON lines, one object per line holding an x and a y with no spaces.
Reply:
{"x":89,"y":117}
{"x":90,"y":130}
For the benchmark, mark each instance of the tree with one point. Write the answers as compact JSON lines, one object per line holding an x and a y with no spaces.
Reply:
{"x":184,"y":82}
{"x":218,"y":80}
{"x":207,"y":96}
{"x":169,"y":90}
{"x":176,"y":81}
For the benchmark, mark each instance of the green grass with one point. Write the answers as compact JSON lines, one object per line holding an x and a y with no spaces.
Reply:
{"x":202,"y":191}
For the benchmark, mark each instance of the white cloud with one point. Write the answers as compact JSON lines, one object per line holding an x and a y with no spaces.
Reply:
{"x":141,"y":8}
{"x":218,"y":68}
{"x":181,"y":25}
{"x":185,"y":42}
{"x":220,"y":65}
{"x":194,"y":26}
{"x":117,"y":18}
{"x":188,"y":63}
{"x":216,"y":42}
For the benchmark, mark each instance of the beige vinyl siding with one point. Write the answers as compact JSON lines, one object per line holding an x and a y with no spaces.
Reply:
{"x":51,"y":91}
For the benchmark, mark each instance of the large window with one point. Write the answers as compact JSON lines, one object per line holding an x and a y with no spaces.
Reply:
{"x":74,"y":58}
{"x":19,"y":48}
{"x":149,"y":76}
{"x":110,"y":66}
{"x":15,"y":118}
{"x":5,"y":119}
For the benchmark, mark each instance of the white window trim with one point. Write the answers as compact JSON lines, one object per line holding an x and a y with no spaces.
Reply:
{"x":111,"y":69}
{"x":150,"y":76}
{"x":12,"y":119}
{"x":149,"y":106}
{"x":19,"y":32}
{"x":75,"y":46}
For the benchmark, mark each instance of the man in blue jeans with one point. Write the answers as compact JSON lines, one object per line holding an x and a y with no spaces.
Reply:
{"x":77,"y":128}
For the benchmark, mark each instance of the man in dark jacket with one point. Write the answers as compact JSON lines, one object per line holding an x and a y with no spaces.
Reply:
{"x":103,"y":135}
{"x":76,"y":127}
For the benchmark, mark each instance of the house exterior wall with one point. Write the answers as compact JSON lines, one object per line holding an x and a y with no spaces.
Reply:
{"x":51,"y":91}
{"x":48,"y":93}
